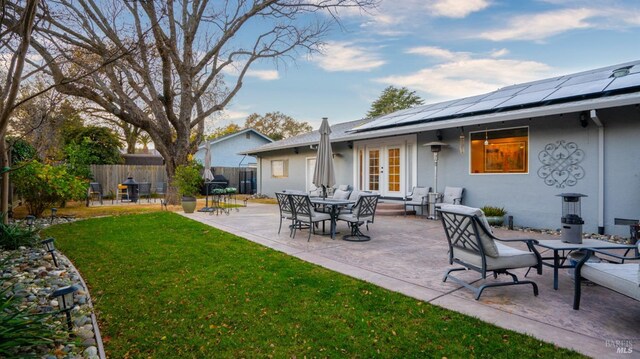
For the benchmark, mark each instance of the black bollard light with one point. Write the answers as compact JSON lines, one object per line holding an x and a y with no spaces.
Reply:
{"x":51,"y":248}
{"x":53,"y":213}
{"x":64,"y":296}
{"x":30,"y":220}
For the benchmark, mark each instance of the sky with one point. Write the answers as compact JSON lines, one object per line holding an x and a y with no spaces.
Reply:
{"x":442,"y":49}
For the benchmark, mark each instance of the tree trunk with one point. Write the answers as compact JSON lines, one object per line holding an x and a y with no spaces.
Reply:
{"x":5,"y":180}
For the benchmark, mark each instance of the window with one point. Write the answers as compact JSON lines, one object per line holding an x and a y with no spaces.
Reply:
{"x":280,"y":168}
{"x":500,"y":151}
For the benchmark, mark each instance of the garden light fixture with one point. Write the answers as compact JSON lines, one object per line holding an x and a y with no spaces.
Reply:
{"x":64,"y":296}
{"x":30,"y":220}
{"x":53,"y":213}
{"x":50,"y":247}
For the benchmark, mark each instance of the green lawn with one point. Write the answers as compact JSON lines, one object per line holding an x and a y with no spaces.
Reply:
{"x":165,"y":286}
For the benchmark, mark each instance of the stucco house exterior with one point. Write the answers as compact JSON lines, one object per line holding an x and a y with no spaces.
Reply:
{"x":229,"y":150}
{"x":517,"y":147}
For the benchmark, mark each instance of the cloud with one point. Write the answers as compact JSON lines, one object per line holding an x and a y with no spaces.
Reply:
{"x":401,"y":17}
{"x":467,"y":76}
{"x":436,"y":52}
{"x":266,"y":75}
{"x":346,"y":56}
{"x":541,"y":26}
{"x":457,"y":8}
{"x":499,"y":53}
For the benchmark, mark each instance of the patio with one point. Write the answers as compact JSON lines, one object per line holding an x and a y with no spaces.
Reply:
{"x":409,"y":255}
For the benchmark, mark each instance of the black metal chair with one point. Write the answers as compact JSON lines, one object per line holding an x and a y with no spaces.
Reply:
{"x":472,"y":245}
{"x":417,"y":198}
{"x":362,"y":213}
{"x":304,"y":214}
{"x":161,"y":190}
{"x":95,"y":190}
{"x":144,"y":190}
{"x":284,"y":204}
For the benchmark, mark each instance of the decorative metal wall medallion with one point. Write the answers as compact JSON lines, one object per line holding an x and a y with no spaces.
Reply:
{"x":561,"y":164}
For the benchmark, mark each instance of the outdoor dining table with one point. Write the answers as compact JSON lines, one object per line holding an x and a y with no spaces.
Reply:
{"x":558,"y":260}
{"x":334,"y":204}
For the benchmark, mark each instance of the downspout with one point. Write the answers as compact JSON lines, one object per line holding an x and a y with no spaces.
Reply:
{"x":596,"y":120}
{"x":259,"y":190}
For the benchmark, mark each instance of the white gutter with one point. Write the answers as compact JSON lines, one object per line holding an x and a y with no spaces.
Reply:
{"x":596,"y":120}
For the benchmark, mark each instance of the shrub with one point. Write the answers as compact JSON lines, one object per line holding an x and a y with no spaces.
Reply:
{"x":490,"y":211}
{"x":42,"y":186}
{"x":13,"y":236}
{"x":22,"y":328}
{"x":187,"y":179}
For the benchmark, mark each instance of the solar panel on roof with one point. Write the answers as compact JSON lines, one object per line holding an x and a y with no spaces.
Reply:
{"x":580,"y":89}
{"x":586,"y":83}
{"x":486,"y":105}
{"x":528,"y":98}
{"x":630,"y":80}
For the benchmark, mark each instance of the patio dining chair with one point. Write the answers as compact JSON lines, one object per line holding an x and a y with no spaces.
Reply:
{"x":363,"y":212}
{"x":284,"y":204}
{"x":144,"y":190}
{"x":472,"y":245}
{"x":95,"y":191}
{"x":305,"y":214}
{"x":161,"y":190}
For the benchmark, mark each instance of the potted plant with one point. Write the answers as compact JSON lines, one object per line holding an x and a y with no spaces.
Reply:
{"x":188,"y":181}
{"x":495,"y":215}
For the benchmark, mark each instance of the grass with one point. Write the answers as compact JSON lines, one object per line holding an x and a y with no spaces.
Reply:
{"x":165,"y":286}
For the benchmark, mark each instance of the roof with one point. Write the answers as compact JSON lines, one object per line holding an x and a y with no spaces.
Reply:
{"x":338,"y":131}
{"x":231,"y":135}
{"x":607,"y":81}
{"x":588,"y":90}
{"x":143,"y":159}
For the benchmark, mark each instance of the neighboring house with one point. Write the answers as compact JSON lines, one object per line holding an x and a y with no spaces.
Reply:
{"x":516,"y":147}
{"x":226,"y":150}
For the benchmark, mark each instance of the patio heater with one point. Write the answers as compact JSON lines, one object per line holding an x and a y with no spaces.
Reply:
{"x":571,"y":217}
{"x":434,"y":197}
{"x":132,"y":189}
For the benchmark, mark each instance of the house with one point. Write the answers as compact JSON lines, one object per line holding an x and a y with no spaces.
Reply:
{"x":226,"y":151}
{"x":517,"y":147}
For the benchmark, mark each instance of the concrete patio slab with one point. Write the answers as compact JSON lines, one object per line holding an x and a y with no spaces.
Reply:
{"x":409,"y":255}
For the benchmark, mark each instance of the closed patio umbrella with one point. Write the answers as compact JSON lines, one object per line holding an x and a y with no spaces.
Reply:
{"x":207,"y":175}
{"x":324,"y":174}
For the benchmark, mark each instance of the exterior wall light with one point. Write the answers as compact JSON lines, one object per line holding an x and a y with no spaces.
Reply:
{"x":51,"y":248}
{"x":65,"y":296}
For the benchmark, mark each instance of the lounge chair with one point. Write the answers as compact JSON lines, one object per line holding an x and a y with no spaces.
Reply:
{"x":623,"y":278}
{"x":362,"y":213}
{"x":472,"y":245}
{"x":417,"y":197}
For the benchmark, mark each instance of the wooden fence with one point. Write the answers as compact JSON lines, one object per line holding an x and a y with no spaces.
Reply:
{"x":112,"y":175}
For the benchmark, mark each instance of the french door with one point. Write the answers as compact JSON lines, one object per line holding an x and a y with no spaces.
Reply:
{"x":384,"y":170}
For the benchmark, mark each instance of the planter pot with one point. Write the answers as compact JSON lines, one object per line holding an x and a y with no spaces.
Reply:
{"x":188,"y":204}
{"x":495,"y":220}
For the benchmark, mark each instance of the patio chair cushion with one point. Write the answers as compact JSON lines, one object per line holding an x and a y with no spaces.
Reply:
{"x":341,"y":194}
{"x":354,"y":195}
{"x":315,"y":217}
{"x":622,"y":278}
{"x":451,"y":194}
{"x":353,"y":217}
{"x":488,"y":244}
{"x":343,"y":187}
{"x":508,"y":257}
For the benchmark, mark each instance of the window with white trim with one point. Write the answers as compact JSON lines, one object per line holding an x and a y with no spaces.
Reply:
{"x":279,"y":168}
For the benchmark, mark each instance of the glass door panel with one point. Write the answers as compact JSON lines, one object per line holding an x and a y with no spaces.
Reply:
{"x":393,"y":170}
{"x":374,"y":170}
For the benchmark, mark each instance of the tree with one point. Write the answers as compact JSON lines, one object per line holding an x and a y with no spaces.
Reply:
{"x":166,"y":59}
{"x":16,"y":26}
{"x":394,"y":99}
{"x":223,"y":131}
{"x":102,"y":144}
{"x":276,"y":125}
